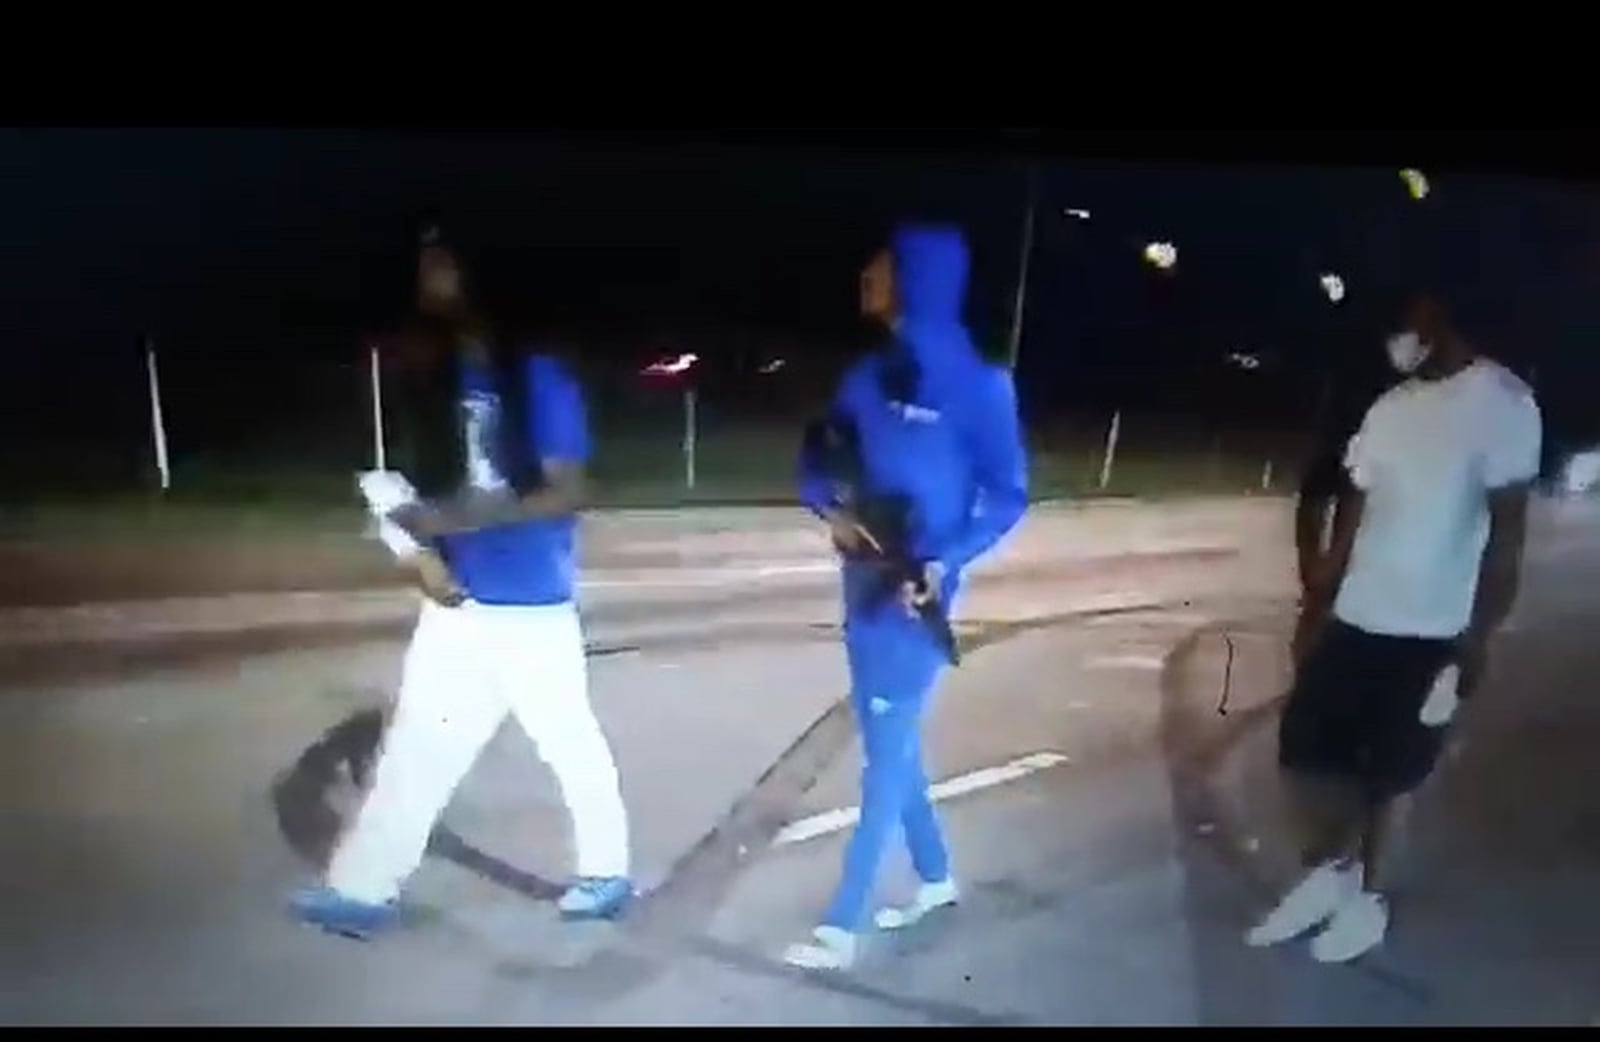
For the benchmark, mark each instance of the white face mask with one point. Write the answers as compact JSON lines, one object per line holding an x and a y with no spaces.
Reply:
{"x":1407,"y":352}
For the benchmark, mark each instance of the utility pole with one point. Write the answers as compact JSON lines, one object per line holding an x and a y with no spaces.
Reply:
{"x":1021,"y":301}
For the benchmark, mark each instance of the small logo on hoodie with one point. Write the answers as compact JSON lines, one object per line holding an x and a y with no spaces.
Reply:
{"x":480,"y":414}
{"x":910,"y":412}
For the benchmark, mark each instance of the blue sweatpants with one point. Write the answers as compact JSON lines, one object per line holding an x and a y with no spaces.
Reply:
{"x":894,"y":664}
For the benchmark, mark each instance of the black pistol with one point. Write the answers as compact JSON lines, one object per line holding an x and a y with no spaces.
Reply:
{"x":833,"y":446}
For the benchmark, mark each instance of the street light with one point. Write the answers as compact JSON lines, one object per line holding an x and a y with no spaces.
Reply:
{"x":1076,"y":214}
{"x":1163,"y":255}
{"x":1415,"y":182}
{"x":1333,"y":286}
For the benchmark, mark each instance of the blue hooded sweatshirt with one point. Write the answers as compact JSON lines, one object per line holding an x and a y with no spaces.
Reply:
{"x":955,"y":450}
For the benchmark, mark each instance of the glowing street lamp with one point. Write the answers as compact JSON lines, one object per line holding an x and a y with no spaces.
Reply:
{"x":1415,"y":182}
{"x":1076,"y":214}
{"x":1333,"y":286}
{"x":1163,"y":255}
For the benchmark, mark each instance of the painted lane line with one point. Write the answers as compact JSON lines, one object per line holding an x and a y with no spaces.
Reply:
{"x":1126,"y":662}
{"x":962,"y":784}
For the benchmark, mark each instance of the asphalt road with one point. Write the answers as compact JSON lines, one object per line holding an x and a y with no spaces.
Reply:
{"x":1114,"y":832}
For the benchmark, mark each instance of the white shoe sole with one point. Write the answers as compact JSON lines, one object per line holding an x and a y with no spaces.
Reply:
{"x":817,"y":957}
{"x":1331,"y":948}
{"x":902,"y":916}
{"x":833,"y":949}
{"x":1278,"y":927}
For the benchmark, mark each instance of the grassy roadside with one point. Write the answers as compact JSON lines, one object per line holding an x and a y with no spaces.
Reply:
{"x":287,"y":505}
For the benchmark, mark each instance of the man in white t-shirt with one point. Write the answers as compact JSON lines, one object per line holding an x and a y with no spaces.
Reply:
{"x":1424,"y":567}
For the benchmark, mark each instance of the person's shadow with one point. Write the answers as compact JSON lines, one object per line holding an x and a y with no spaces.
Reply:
{"x":315,"y":798}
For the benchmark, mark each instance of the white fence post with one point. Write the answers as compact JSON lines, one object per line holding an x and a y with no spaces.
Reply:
{"x":689,"y":437}
{"x":1110,"y":456}
{"x":379,"y":456}
{"x":158,"y":424}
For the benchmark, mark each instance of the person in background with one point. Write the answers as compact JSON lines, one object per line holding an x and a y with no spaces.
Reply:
{"x":938,"y":426}
{"x":500,"y":633}
{"x":1424,"y":567}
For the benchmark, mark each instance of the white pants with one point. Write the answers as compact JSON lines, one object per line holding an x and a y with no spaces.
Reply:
{"x":468,"y":667}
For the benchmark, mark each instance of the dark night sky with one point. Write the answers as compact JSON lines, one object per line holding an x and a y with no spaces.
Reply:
{"x":296,"y":242}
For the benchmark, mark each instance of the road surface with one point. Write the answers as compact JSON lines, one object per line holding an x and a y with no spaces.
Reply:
{"x":1114,"y":832}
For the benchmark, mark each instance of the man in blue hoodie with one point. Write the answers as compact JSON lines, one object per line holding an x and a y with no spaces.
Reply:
{"x":936,"y":428}
{"x":499,"y":634}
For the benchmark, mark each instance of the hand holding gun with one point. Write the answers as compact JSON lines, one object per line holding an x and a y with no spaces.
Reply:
{"x":909,"y":581}
{"x":876,"y":528}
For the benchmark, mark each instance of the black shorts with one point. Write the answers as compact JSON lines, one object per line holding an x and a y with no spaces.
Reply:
{"x":1354,"y":711}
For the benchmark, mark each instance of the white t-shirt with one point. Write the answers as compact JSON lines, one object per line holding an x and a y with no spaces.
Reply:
{"x":1427,"y":455}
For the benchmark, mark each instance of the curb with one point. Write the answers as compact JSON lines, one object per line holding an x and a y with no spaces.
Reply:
{"x":136,"y":620}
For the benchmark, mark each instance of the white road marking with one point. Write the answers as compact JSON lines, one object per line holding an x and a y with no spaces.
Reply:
{"x":987,"y":777}
{"x":1126,"y":662}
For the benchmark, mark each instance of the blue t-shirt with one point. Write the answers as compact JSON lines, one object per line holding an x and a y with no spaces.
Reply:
{"x":534,"y":561}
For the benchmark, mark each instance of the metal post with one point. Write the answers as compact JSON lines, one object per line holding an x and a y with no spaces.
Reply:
{"x":689,"y":438}
{"x":158,"y":425}
{"x":379,"y":456}
{"x":1110,"y":456}
{"x":1021,"y":302}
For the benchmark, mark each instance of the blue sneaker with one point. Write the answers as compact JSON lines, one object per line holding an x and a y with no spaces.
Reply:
{"x":595,"y":898}
{"x":337,"y":914}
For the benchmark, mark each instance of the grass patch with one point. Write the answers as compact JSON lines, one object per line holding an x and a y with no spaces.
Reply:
{"x":743,"y":466}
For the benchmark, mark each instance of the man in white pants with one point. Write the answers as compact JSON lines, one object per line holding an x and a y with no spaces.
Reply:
{"x":500,"y":633}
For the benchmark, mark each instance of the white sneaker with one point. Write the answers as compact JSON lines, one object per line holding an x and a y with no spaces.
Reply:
{"x":930,"y":897}
{"x":1357,"y":928}
{"x":835,"y":949}
{"x":1312,"y":902}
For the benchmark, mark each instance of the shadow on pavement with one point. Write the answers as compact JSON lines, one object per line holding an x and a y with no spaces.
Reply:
{"x":315,"y":797}
{"x":1226,"y":885}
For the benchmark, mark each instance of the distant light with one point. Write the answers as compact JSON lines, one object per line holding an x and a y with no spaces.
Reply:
{"x":1581,"y":473}
{"x":773,"y":366}
{"x":1333,"y":286}
{"x":1244,"y":360}
{"x":671,"y":366}
{"x":1161,"y":254}
{"x":1082,"y":215}
{"x":1416,"y":183}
